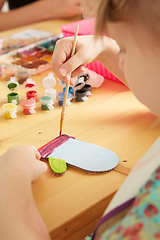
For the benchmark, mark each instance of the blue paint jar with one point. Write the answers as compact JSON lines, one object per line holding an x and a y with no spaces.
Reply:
{"x":60,"y":97}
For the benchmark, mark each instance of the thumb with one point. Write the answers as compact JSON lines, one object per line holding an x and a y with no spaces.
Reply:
{"x":40,"y":167}
{"x":69,"y":66}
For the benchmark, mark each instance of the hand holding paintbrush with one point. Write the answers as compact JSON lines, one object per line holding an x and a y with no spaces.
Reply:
{"x":67,"y":85}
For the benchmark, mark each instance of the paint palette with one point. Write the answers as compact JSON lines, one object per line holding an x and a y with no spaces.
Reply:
{"x":81,"y":155}
{"x":22,"y":39}
{"x":35,"y":58}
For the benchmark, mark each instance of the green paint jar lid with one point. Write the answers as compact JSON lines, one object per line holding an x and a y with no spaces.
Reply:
{"x":59,"y":166}
{"x":45,"y":100}
{"x":12,"y":85}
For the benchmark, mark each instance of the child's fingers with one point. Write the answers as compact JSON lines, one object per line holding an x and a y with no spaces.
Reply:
{"x":69,"y":66}
{"x":40,"y":168}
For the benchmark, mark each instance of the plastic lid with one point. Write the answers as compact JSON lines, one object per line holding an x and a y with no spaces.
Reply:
{"x":61,"y":96}
{"x":45,"y":100}
{"x":12,"y":85}
{"x":63,"y":84}
{"x":9,"y":107}
{"x":29,"y":84}
{"x":49,"y":81}
{"x":28,"y":103}
{"x":22,"y":74}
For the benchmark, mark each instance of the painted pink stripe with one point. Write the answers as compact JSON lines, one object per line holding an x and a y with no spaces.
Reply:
{"x":49,"y":147}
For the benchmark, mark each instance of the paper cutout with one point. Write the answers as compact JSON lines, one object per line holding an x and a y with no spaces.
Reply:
{"x":79,"y":154}
{"x":58,"y":166}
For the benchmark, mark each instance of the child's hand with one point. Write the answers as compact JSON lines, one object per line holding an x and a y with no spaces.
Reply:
{"x":23,"y":158}
{"x":87,"y":49}
{"x":64,"y":8}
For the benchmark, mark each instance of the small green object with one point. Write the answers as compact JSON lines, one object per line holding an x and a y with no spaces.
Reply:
{"x":13,"y":98}
{"x":45,"y":107}
{"x":58,"y":165}
{"x":12,"y":86}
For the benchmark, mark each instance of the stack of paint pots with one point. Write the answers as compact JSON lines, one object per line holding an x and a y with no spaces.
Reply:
{"x":82,"y":89}
{"x":22,"y":76}
{"x":12,"y":85}
{"x":10,"y":110}
{"x":49,"y":82}
{"x":31,"y":85}
{"x":60,"y":97}
{"x":29,"y":105}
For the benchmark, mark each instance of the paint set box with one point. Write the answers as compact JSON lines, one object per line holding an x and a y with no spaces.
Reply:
{"x":22,"y":39}
{"x":86,"y":27}
{"x":35,"y":58}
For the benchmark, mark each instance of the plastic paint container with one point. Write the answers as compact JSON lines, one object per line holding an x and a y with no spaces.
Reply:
{"x":51,"y":93}
{"x":49,"y":82}
{"x":32,"y":95}
{"x":13,"y":98}
{"x":70,"y":90}
{"x":8,"y":72}
{"x":81,"y":95}
{"x":29,"y":84}
{"x":28,"y":106}
{"x":60,"y":97}
{"x":10,"y":110}
{"x":46,"y":103}
{"x":22,"y":76}
{"x":11,"y":86}
{"x":87,"y":88}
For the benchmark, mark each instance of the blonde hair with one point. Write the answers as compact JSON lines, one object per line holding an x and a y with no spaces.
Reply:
{"x":147,"y":11}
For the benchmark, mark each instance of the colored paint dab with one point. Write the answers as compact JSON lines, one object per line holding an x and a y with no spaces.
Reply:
{"x":59,"y":166}
{"x":12,"y":86}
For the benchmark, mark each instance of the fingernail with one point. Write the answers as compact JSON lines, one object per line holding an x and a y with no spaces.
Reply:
{"x":63,"y":71}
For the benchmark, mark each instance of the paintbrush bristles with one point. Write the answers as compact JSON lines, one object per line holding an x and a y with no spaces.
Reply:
{"x":67,"y":85}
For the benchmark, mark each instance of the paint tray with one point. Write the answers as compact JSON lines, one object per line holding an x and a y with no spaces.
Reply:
{"x":35,"y":58}
{"x":86,"y":27}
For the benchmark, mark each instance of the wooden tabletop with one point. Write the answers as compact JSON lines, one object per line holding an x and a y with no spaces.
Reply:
{"x":112,"y":118}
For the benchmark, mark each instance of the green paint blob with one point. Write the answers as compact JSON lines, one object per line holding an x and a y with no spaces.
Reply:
{"x":57,"y":165}
{"x":12,"y":86}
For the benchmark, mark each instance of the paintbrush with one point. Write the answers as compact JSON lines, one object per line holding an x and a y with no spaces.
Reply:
{"x":67,"y":85}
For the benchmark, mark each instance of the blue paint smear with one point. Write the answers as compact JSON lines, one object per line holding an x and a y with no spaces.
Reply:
{"x":85,"y":155}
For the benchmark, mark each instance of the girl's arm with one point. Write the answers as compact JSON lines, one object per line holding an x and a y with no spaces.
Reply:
{"x":20,"y":219}
{"x":40,"y":10}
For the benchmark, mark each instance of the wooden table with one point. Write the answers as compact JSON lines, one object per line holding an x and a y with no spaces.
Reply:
{"x":112,"y":117}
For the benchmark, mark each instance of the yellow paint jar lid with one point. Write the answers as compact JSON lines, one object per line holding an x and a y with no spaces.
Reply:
{"x":9,"y":107}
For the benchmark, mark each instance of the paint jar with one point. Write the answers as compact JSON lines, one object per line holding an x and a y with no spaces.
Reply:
{"x":49,"y":82}
{"x":31,"y":85}
{"x":28,"y":106}
{"x":46,"y":103}
{"x":51,"y":93}
{"x":79,"y":86}
{"x":81,"y":95}
{"x":87,"y":88}
{"x":8,"y":72}
{"x":11,"y":86}
{"x":32,"y":95}
{"x":10,"y":110}
{"x":22,"y":76}
{"x":70,"y":90}
{"x":13,"y":98}
{"x":60,"y":97}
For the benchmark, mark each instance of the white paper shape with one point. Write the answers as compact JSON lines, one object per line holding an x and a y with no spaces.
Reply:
{"x":86,"y":156}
